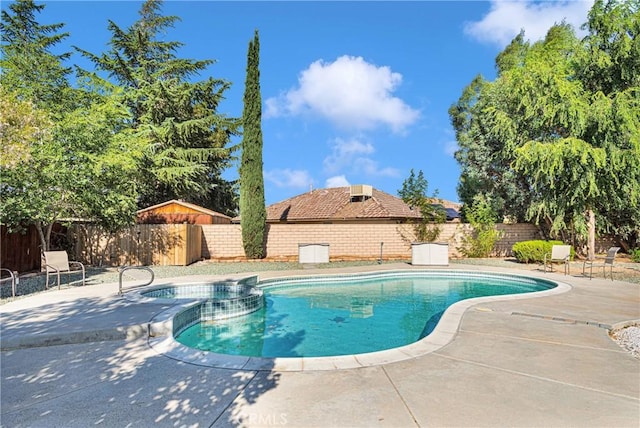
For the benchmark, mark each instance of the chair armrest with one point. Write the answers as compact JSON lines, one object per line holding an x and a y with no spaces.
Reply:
{"x":595,"y":260}
{"x":55,"y":269}
{"x":77,"y":263}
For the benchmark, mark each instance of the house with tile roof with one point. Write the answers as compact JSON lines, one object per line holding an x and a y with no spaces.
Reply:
{"x":356,"y":203}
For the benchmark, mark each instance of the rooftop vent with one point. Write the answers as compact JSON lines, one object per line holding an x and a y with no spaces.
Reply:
{"x":361,"y":192}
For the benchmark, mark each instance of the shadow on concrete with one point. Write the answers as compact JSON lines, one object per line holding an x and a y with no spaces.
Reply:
{"x":91,"y":381}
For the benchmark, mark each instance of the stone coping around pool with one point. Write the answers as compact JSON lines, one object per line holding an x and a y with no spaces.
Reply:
{"x":162,"y":341}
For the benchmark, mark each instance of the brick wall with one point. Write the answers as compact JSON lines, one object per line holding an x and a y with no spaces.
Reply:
{"x":347,"y":241}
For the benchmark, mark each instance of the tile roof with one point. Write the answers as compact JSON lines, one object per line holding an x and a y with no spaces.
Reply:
{"x":336,"y":204}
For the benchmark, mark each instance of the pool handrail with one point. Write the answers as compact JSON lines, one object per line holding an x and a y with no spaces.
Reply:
{"x":123,"y":269}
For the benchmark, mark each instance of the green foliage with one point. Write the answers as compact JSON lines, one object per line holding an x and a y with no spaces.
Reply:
{"x":557,"y":134}
{"x":189,"y":142}
{"x":81,"y":160}
{"x":252,"y":206}
{"x":635,"y":255}
{"x":414,"y":193}
{"x":534,"y":251}
{"x":482,"y":217}
{"x":29,"y":66}
{"x":93,"y":150}
{"x":85,"y":170}
{"x":105,"y":159}
{"x":21,"y":123}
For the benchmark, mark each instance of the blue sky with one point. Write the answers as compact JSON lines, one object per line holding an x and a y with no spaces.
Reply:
{"x":353,"y":92}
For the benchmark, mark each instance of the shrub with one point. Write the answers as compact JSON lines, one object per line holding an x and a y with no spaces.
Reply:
{"x":635,"y":255}
{"x":534,"y":251}
{"x":482,"y":240}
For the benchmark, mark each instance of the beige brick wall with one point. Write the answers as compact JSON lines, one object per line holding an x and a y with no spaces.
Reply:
{"x":347,"y":241}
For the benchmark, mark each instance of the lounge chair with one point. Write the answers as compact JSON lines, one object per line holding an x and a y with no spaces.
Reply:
{"x":559,"y":254}
{"x":58,"y":262}
{"x":607,"y":261}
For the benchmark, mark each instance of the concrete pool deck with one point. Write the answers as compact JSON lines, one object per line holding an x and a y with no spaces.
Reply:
{"x":80,"y":357}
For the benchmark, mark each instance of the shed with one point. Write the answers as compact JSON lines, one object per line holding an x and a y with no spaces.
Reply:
{"x":179,"y":212}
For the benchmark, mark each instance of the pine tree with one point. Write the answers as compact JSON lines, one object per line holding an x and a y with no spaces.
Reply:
{"x":189,"y":141}
{"x":29,"y":66}
{"x":252,"y":206}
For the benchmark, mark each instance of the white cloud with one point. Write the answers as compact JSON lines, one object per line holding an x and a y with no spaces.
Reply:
{"x":371,"y":167}
{"x":352,"y":155}
{"x":349,"y":92}
{"x":337,"y":181}
{"x":507,"y":18}
{"x":343,"y":152}
{"x":289,"y":178}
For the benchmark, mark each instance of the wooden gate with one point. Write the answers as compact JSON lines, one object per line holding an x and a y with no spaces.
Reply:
{"x":143,"y":244}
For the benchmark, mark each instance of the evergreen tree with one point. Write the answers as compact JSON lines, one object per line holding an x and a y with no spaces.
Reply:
{"x":29,"y":68}
{"x":252,"y":206}
{"x":75,"y":158}
{"x":189,"y":142}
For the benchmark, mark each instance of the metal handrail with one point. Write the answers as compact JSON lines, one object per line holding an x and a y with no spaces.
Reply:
{"x":15,"y":280}
{"x":126,"y":268}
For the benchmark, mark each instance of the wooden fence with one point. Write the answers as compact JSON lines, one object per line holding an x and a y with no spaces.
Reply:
{"x":143,"y":244}
{"x":20,"y":251}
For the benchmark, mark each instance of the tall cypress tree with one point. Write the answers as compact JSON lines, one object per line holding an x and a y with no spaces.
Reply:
{"x":252,"y":208}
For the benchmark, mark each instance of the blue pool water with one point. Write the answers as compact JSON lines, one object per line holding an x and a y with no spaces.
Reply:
{"x":347,"y":316}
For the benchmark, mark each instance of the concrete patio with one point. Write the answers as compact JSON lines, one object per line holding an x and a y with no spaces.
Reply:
{"x":80,"y":357}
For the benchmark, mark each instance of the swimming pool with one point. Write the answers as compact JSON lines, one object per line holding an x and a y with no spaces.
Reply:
{"x":347,"y":314}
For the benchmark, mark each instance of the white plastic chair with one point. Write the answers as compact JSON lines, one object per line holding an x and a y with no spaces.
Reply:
{"x":559,"y":254}
{"x":58,"y":262}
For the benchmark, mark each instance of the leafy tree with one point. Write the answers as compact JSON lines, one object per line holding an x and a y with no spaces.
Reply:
{"x":83,"y":171}
{"x":485,"y":164}
{"x":553,"y":141}
{"x":252,"y":206}
{"x":188,"y":140}
{"x":79,"y":163}
{"x":106,"y":156}
{"x":414,"y":193}
{"x":33,"y":75}
{"x":20,"y":124}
